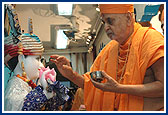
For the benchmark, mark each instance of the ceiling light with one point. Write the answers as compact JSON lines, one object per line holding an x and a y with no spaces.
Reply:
{"x":65,"y":9}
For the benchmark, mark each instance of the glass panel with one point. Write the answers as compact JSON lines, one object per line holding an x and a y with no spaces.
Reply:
{"x":61,"y":40}
{"x":65,"y":9}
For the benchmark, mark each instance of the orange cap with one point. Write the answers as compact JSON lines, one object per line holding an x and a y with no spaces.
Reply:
{"x":116,"y":8}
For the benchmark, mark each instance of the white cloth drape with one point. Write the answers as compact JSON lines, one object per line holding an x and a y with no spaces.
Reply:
{"x":15,"y":93}
{"x":78,"y":62}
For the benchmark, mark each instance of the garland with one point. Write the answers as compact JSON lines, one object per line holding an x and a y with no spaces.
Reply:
{"x":30,"y":82}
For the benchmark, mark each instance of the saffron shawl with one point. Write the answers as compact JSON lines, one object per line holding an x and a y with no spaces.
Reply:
{"x":146,"y":48}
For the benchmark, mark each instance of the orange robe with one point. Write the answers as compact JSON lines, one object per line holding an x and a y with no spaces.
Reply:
{"x":146,"y":48}
{"x":78,"y":100}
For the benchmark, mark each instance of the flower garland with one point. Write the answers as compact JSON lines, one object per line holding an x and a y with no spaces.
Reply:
{"x":30,"y":82}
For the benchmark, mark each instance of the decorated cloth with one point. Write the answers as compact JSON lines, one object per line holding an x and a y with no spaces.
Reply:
{"x":116,"y":8}
{"x":34,"y":100}
{"x":37,"y":101}
{"x":11,"y":32}
{"x":51,"y":75}
{"x":14,"y":95}
{"x":147,"y":46}
{"x":26,"y":44}
{"x":20,"y":96}
{"x":15,"y":42}
{"x":11,"y":25}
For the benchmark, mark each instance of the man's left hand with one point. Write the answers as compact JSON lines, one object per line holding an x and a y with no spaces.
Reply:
{"x":111,"y":85}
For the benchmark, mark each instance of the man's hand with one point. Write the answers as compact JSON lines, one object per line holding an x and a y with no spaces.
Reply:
{"x":152,"y":89}
{"x":111,"y":85}
{"x":65,"y":69}
{"x":63,"y":65}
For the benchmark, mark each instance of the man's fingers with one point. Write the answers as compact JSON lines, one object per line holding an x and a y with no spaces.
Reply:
{"x":105,"y":75}
{"x":60,"y":58}
{"x":96,"y":84}
{"x":54,"y":56}
{"x":53,"y":60}
{"x":58,"y":63}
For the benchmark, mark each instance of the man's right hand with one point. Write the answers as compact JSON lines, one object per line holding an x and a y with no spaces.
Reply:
{"x":65,"y":69}
{"x":63,"y":65}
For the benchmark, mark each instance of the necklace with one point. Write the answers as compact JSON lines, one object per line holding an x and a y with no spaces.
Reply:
{"x":120,"y":78}
{"x":30,"y":82}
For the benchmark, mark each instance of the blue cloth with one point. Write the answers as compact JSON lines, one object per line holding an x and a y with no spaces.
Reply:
{"x":37,"y":101}
{"x":34,"y":100}
{"x":6,"y":76}
{"x":149,"y":12}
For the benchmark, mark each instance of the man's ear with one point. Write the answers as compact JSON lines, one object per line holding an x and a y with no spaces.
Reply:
{"x":21,"y":58}
{"x":129,"y":17}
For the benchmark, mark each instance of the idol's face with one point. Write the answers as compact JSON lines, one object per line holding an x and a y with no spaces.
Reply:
{"x":32,"y":65}
{"x":115,"y":26}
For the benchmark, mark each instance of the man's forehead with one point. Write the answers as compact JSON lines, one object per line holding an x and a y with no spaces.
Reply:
{"x":105,"y":15}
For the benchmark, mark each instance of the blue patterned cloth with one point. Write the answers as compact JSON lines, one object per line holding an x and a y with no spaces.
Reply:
{"x":37,"y":101}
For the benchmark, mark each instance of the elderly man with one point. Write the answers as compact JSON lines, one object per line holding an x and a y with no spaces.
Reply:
{"x":132,"y":64}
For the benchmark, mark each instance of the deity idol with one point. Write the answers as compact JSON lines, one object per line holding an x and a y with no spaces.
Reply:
{"x":32,"y":86}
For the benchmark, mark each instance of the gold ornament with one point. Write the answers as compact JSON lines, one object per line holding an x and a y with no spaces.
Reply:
{"x":24,"y":73}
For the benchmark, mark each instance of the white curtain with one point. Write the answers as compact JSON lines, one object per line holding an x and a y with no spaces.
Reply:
{"x":78,"y":61}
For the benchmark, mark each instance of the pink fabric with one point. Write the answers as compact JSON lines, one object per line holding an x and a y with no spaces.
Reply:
{"x":50,"y":75}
